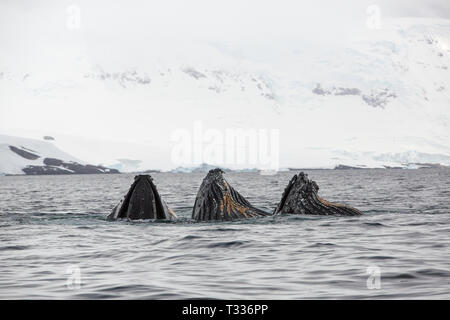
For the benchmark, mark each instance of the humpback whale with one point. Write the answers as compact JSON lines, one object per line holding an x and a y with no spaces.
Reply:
{"x":300,"y":197}
{"x":217,"y":200}
{"x":142,"y":202}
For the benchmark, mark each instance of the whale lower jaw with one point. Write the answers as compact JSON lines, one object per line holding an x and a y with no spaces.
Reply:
{"x":142,"y":202}
{"x":301,"y":197}
{"x":218,"y":200}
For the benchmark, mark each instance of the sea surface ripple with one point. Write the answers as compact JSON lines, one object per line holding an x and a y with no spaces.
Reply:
{"x":53,"y":231}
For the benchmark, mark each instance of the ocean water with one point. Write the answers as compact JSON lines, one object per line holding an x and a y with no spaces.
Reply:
{"x":56,"y":244}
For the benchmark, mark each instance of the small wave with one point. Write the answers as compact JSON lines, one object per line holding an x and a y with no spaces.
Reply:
{"x":379,"y":258}
{"x":399,"y":276}
{"x":434,"y":272}
{"x":226,"y":229}
{"x":374,"y":224}
{"x":190,"y":237}
{"x":321,"y":244}
{"x":18,"y":247}
{"x":375,"y":211}
{"x":85,"y":227}
{"x":159,"y":242}
{"x":121,"y":288}
{"x":228,"y":244}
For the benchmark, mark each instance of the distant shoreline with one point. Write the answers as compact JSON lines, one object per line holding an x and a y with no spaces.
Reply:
{"x":439,"y":167}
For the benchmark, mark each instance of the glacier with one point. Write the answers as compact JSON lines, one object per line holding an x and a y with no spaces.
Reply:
{"x":382,"y":98}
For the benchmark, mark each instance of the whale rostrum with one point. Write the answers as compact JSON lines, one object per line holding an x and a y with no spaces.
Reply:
{"x":142,"y":202}
{"x":301,"y":197}
{"x":218,"y":200}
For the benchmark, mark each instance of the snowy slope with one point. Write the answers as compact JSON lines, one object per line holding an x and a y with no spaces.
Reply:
{"x":17,"y":154}
{"x":13,"y":163}
{"x":381,"y":98}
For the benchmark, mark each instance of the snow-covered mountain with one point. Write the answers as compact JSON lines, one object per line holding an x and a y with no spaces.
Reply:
{"x":381,"y":98}
{"x":29,"y":156}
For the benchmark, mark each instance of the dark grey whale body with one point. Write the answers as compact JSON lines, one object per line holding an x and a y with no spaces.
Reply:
{"x":301,"y":197}
{"x":218,"y":200}
{"x":142,"y":202}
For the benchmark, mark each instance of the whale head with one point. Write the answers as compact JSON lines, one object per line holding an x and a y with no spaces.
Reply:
{"x":218,"y":200}
{"x":142,"y":202}
{"x":301,"y":197}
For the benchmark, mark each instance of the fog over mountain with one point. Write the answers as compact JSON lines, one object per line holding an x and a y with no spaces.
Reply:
{"x":343,"y":83}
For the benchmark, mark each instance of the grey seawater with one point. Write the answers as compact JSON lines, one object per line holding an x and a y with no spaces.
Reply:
{"x":52,"y":225}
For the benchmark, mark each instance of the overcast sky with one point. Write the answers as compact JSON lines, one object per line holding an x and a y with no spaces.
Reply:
{"x":111,"y":26}
{"x":201,"y":18}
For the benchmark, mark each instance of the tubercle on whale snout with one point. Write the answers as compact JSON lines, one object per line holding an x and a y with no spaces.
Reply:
{"x":217,"y":200}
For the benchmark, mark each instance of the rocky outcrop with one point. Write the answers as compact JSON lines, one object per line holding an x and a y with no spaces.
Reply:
{"x":45,"y":170}
{"x":375,"y":98}
{"x":124,"y":78}
{"x":24,"y":153}
{"x":378,"y":98}
{"x":56,"y":166}
{"x":194,"y":73}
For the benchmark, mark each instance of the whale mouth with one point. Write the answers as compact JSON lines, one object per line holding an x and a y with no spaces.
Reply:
{"x":218,"y":200}
{"x":142,"y":202}
{"x":301,"y":197}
